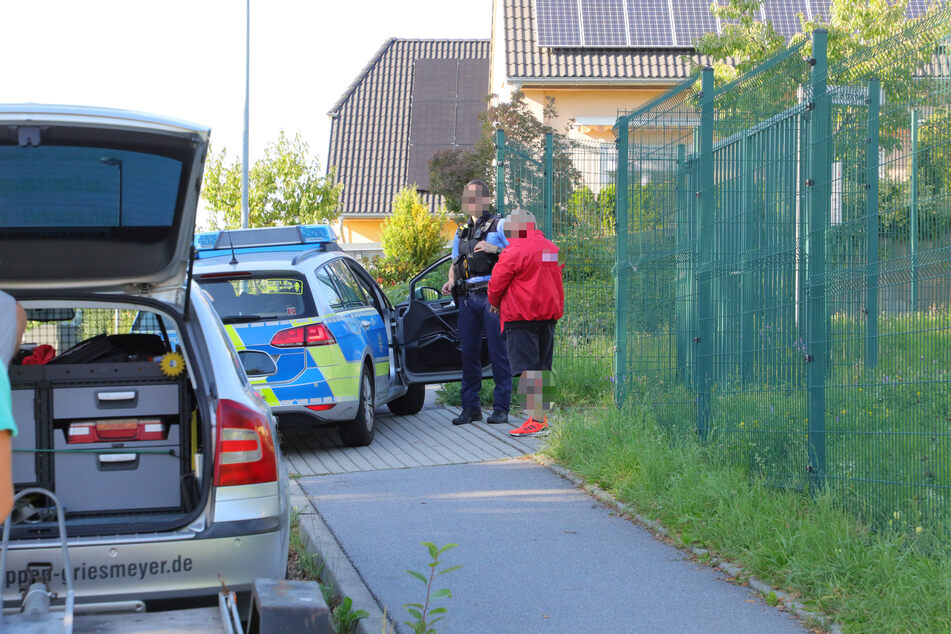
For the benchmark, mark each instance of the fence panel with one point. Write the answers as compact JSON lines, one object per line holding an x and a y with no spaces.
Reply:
{"x":785,"y":269}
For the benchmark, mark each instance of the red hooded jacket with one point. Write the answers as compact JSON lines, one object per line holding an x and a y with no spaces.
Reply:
{"x":526,"y":282}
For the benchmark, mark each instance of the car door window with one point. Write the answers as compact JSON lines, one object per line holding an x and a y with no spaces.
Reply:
{"x":351,"y":292}
{"x":327,"y":288}
{"x":367,"y":286}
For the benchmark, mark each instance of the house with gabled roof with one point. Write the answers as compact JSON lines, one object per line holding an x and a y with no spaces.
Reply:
{"x":413,"y":99}
{"x":597,"y":58}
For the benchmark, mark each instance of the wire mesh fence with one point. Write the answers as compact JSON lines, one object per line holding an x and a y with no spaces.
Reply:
{"x":783,"y":269}
{"x":768,"y":262}
{"x":569,"y":186}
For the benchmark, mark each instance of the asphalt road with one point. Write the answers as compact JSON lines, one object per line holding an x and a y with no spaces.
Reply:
{"x":538,"y":554}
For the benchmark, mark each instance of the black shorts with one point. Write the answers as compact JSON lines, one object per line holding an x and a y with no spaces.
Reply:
{"x":530,"y":345}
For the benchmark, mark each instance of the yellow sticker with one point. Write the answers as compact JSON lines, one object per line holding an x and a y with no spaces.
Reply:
{"x":172,"y":364}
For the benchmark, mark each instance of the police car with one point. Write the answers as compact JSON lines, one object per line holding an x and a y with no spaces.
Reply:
{"x":336,"y":347}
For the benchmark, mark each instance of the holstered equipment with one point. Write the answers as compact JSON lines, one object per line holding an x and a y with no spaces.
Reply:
{"x":469,"y":263}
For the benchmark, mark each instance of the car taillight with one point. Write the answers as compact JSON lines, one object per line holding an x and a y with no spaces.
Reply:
{"x":245,"y":449}
{"x":309,"y":335}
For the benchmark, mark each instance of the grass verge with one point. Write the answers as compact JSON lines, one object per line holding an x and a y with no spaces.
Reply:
{"x":866,"y":581}
{"x":303,"y":565}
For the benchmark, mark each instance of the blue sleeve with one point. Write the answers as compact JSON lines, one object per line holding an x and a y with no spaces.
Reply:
{"x":6,"y":405}
{"x":455,"y":246}
{"x":497,"y":237}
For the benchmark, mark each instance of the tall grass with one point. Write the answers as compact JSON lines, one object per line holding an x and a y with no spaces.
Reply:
{"x":867,"y":580}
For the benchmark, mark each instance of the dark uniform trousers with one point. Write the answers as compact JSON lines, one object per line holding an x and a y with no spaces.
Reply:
{"x":474,"y":319}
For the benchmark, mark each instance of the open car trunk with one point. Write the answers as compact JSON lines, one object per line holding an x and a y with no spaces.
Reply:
{"x":103,"y":423}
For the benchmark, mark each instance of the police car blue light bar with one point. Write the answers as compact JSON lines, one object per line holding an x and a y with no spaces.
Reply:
{"x":264,"y":237}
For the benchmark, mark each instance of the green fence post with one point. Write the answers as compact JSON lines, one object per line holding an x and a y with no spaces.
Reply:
{"x":549,"y":185}
{"x":819,"y":209}
{"x":913,"y":211}
{"x":621,"y":265}
{"x":500,"y":171}
{"x":705,"y":235}
{"x":683,"y":238}
{"x":749,"y":228}
{"x":871,"y":225}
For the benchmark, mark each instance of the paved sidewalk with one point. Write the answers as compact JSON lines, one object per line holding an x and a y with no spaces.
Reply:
{"x":538,"y":554}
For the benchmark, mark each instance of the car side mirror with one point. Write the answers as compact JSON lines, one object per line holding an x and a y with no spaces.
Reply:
{"x":257,"y":363}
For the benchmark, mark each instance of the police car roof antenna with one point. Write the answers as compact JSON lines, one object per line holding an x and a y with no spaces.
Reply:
{"x":234,"y":258}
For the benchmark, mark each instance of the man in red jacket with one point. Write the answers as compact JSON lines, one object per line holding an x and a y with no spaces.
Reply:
{"x":526,"y":289}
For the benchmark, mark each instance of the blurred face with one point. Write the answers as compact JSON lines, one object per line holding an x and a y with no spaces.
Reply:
{"x":518,"y":225}
{"x":474,"y":201}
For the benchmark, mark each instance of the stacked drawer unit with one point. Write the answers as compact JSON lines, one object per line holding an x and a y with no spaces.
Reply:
{"x":119,"y":437}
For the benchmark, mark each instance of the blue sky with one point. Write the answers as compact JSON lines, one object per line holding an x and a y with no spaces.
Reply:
{"x":185,"y":59}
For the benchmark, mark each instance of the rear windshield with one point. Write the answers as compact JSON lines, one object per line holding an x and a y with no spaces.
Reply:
{"x":259,"y":297}
{"x":59,"y":186}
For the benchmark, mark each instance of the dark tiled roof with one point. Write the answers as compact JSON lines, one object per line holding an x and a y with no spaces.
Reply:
{"x":370,"y":128}
{"x":523,"y":59}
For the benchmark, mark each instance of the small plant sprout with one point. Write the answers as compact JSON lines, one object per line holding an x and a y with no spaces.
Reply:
{"x":421,"y":611}
{"x":346,"y":616}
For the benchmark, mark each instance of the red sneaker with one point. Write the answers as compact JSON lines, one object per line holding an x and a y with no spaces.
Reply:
{"x":531,"y":428}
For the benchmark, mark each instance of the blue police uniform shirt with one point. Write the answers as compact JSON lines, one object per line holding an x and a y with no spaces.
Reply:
{"x":496,"y":237}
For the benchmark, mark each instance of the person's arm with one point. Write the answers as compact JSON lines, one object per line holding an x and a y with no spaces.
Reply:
{"x":447,"y":287}
{"x":502,"y":274}
{"x":6,"y":474}
{"x":21,"y":325}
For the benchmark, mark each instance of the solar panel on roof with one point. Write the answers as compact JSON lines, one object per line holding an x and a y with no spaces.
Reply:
{"x":692,"y":19}
{"x":782,"y":15}
{"x":915,"y":9}
{"x":603,"y":23}
{"x":820,"y":10}
{"x":649,"y":23}
{"x":557,"y":23}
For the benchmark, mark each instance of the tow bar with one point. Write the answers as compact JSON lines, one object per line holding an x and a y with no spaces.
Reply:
{"x":34,"y":614}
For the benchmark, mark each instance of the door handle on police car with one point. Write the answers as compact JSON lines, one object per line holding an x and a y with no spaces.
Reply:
{"x":366,"y":323}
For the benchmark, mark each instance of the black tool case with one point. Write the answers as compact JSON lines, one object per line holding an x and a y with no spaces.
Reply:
{"x":107,"y":476}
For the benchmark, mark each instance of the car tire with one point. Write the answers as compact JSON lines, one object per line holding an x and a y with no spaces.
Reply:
{"x":411,"y":402}
{"x":359,"y":431}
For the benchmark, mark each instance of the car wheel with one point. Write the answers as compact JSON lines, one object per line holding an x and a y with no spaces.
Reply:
{"x":359,"y":431}
{"x":411,"y":402}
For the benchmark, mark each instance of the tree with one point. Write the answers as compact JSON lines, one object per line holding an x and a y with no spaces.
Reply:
{"x":745,"y":41}
{"x":285,"y":188}
{"x":450,"y":170}
{"x":411,"y":234}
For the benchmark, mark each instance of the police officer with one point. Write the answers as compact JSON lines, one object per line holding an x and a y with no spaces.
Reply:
{"x":475,"y":250}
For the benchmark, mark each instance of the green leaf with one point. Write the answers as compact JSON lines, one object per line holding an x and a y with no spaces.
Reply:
{"x":417,"y":575}
{"x":416,"y":613}
{"x":436,"y":611}
{"x":444,"y":592}
{"x":447,"y":547}
{"x":433,"y":551}
{"x":449,"y":569}
{"x":413,"y":605}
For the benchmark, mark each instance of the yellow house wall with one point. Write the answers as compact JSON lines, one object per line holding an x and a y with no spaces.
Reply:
{"x":365,"y":230}
{"x":596,"y":101}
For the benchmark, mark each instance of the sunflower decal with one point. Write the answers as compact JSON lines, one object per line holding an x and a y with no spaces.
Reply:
{"x":172,"y":364}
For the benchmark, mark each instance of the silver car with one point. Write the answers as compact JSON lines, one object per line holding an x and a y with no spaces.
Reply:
{"x":163,"y":457}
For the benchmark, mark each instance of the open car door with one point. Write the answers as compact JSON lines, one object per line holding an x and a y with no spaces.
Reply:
{"x":427,"y":330}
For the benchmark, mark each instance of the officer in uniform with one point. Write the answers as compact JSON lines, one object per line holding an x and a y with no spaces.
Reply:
{"x":475,"y":250}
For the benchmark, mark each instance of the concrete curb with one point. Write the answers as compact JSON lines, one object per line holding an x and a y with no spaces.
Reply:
{"x":338,"y":572}
{"x":734,"y":571}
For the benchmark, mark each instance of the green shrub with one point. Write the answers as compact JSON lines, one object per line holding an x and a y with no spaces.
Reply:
{"x":412,"y":235}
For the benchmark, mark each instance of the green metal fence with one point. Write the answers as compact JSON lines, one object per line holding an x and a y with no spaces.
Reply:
{"x":784,"y":269}
{"x":569,"y":186}
{"x":769,"y":264}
